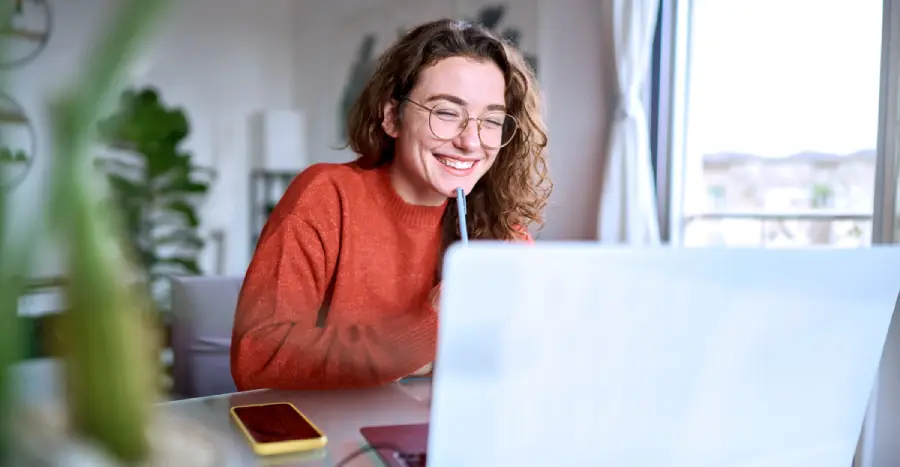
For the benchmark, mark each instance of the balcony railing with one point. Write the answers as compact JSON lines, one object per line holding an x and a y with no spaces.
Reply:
{"x":820,"y":227}
{"x":808,"y":215}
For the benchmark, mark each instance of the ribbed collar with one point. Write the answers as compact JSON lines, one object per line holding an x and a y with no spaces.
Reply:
{"x":403,"y":212}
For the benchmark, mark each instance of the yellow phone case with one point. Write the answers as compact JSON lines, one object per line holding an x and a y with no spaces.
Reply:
{"x":282,"y":447}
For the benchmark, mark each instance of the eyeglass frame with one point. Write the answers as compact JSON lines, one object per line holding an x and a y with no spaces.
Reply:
{"x":465,"y":124}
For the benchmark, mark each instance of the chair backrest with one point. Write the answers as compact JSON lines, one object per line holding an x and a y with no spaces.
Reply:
{"x":202,"y":319}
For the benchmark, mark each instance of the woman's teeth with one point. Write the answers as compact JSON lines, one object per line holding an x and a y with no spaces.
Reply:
{"x":456,"y":164}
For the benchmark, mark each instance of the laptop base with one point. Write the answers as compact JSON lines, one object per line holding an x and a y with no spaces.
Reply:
{"x":410,"y":443}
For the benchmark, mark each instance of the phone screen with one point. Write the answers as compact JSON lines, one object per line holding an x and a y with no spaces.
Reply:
{"x":273,"y":423}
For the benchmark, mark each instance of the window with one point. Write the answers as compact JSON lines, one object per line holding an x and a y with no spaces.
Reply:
{"x":775,"y":122}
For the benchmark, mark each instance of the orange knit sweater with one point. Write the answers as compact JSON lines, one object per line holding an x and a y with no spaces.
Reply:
{"x":339,"y":233}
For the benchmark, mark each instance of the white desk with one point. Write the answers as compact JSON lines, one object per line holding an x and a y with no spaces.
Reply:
{"x":340,"y":414}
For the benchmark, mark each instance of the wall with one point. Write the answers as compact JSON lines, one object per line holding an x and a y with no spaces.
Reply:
{"x":576,"y":47}
{"x":223,"y":60}
{"x":220,"y":59}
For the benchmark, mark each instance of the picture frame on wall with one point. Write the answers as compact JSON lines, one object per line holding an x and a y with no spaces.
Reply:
{"x":515,"y":21}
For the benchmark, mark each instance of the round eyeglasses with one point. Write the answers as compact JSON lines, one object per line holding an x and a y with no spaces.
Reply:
{"x":447,"y":121}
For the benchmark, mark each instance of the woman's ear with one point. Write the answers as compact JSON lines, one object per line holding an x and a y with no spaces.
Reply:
{"x":389,"y":122}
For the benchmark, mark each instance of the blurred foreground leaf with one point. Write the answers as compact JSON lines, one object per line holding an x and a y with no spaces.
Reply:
{"x":110,"y":361}
{"x":17,"y":248}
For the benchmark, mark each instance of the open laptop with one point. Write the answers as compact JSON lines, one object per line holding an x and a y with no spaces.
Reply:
{"x":579,"y":354}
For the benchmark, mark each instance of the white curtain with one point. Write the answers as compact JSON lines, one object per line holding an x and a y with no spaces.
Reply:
{"x":628,"y":213}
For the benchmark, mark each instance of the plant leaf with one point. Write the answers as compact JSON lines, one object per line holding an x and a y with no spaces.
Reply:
{"x":104,"y":330}
{"x":186,"y":238}
{"x":186,"y":210}
{"x":188,"y":264}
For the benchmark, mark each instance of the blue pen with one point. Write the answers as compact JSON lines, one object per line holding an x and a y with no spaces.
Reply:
{"x":461,"y":209}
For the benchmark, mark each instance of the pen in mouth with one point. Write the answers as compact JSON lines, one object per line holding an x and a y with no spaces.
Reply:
{"x":461,"y":210}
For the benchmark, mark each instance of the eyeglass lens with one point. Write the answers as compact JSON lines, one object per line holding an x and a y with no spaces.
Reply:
{"x":495,"y":129}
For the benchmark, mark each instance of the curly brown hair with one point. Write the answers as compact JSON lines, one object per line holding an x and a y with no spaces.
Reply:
{"x":512,"y":195}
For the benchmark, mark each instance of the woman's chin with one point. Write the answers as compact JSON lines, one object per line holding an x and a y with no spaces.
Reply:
{"x":450,"y":191}
{"x":447,"y":186}
{"x":446,"y":183}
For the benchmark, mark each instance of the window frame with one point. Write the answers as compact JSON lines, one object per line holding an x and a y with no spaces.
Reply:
{"x":669,"y":72}
{"x":666,"y":120}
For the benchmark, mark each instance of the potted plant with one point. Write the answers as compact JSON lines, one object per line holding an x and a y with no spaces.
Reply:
{"x":156,"y":185}
{"x":10,"y":156}
{"x":109,"y":340}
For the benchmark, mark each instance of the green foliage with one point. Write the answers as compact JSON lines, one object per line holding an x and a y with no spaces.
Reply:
{"x":111,"y":363}
{"x":16,"y":252}
{"x":822,"y":196}
{"x":16,"y":257}
{"x":156,"y":185}
{"x":8,"y":155}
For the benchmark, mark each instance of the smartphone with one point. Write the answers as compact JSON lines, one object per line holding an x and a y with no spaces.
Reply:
{"x":277,"y":428}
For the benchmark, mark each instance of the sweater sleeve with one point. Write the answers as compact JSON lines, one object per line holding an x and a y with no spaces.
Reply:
{"x":276,"y":342}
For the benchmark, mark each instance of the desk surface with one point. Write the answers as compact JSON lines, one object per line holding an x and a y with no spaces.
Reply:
{"x":340,"y":414}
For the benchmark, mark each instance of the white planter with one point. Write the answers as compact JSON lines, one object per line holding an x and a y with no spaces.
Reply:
{"x":45,"y":440}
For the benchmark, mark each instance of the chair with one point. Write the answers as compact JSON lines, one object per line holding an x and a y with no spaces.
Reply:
{"x":202,"y":319}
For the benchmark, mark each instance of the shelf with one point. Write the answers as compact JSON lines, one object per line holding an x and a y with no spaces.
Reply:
{"x":33,"y":36}
{"x":266,"y":188}
{"x":19,"y":157}
{"x":11,"y":117}
{"x":270,"y":174}
{"x":46,"y":282}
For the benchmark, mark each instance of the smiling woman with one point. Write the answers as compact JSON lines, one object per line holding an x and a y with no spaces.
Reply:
{"x":343,"y":287}
{"x":437,"y":149}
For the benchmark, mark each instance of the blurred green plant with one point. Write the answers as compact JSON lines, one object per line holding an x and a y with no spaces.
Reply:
{"x":111,"y":364}
{"x":157,"y":186}
{"x":8,"y":155}
{"x":16,"y":251}
{"x":822,"y":196}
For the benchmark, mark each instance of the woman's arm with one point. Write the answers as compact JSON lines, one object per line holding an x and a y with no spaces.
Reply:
{"x":276,"y":342}
{"x":524,"y":237}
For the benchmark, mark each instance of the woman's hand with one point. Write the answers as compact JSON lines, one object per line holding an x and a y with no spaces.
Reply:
{"x":434,"y":297}
{"x":424,"y":371}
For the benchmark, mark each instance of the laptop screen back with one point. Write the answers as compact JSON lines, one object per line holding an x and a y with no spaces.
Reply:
{"x":578,"y":354}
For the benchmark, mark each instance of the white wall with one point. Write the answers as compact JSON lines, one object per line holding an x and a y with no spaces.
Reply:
{"x":220,"y":59}
{"x":33,"y":86}
{"x":223,"y":60}
{"x":575,"y":46}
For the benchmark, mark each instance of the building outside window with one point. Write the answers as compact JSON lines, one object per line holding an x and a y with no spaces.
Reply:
{"x":779,"y":112}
